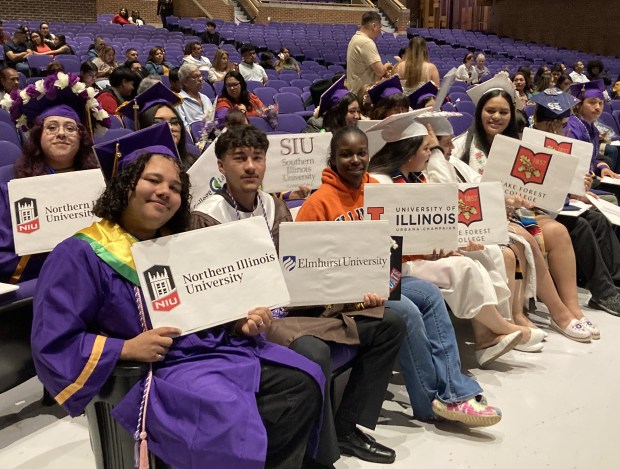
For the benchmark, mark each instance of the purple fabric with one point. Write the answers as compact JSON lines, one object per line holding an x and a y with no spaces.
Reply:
{"x":202,"y":405}
{"x":60,"y":111}
{"x":581,"y":130}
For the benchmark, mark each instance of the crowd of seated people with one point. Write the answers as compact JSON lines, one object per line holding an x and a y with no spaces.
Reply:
{"x":286,"y":361}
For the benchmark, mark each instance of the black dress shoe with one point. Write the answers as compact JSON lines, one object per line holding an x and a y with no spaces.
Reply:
{"x":364,"y":447}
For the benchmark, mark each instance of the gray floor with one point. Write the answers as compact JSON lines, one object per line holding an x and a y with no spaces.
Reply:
{"x":559,"y":407}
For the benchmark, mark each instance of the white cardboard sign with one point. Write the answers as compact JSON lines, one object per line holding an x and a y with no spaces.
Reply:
{"x":45,"y":210}
{"x":375,"y":141}
{"x":611,"y":211}
{"x":577,"y":148}
{"x":203,"y":278}
{"x":205,"y":177}
{"x":535,"y":173}
{"x":482,"y":214}
{"x":330,"y":262}
{"x":425,"y":215}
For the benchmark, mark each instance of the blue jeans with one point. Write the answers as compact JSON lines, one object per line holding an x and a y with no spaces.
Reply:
{"x":429,"y":356}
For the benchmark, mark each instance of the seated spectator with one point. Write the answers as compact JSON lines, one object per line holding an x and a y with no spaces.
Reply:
{"x":135,"y":66}
{"x":136,"y":19}
{"x":61,"y":46}
{"x":466,"y":71}
{"x":105,"y":62}
{"x":88,"y":74}
{"x":54,"y":67}
{"x":122,"y":82}
{"x":235,"y":95}
{"x":9,"y":81}
{"x":542,"y":79}
{"x":193,"y":56}
{"x":16,"y":51}
{"x":266,"y":61}
{"x":259,"y":393}
{"x":387,"y":98}
{"x":286,"y":62}
{"x":39,"y":46}
{"x":195,"y":106}
{"x":221,"y":66}
{"x":248,"y":69}
{"x":131,"y":54}
{"x":595,"y":70}
{"x":481,"y":69}
{"x":122,"y":17}
{"x":48,"y":37}
{"x":146,"y":83}
{"x":519,"y":81}
{"x":211,"y":36}
{"x":577,"y":74}
{"x":156,"y":62}
{"x":4,"y":37}
{"x":338,"y":108}
{"x":557,"y":70}
{"x":563,"y":82}
{"x":93,"y":51}
{"x":424,"y":96}
{"x":175,"y":83}
{"x":616,"y":89}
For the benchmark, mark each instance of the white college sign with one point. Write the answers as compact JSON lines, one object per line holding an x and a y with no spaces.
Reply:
{"x":482,"y":213}
{"x":205,"y":177}
{"x":203,"y":278}
{"x":45,"y":210}
{"x":330,"y":262}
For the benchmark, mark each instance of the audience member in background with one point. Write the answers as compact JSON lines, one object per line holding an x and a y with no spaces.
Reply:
{"x":61,"y":46}
{"x":175,"y":83}
{"x":95,"y":48}
{"x":147,"y":82}
{"x":165,"y":8}
{"x":467,"y":71}
{"x":39,"y":46}
{"x":193,"y":56}
{"x":481,"y":69}
{"x":249,"y":70}
{"x":266,"y":60}
{"x":48,"y":37}
{"x":563,"y":82}
{"x":221,"y":66}
{"x":9,"y":80}
{"x":131,"y":54}
{"x":556,"y":71}
{"x":387,"y":99}
{"x":338,"y":108}
{"x":416,"y":69}
{"x":235,"y":95}
{"x":616,"y":89}
{"x":122,"y":82}
{"x":16,"y":51}
{"x":520,"y":83}
{"x":54,"y":67}
{"x":122,"y":17}
{"x":595,"y":70}
{"x":88,"y":74}
{"x":286,"y":62}
{"x":105,"y":62}
{"x":526,"y":70}
{"x":577,"y":74}
{"x":136,"y":66}
{"x":542,"y":79}
{"x":135,"y":18}
{"x":156,"y":62}
{"x":424,"y":96}
{"x":210,"y":35}
{"x":195,"y":106}
{"x":364,"y":66}
{"x":4,"y":37}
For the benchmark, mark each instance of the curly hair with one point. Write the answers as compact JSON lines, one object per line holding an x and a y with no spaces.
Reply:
{"x":32,"y":160}
{"x":114,"y":200}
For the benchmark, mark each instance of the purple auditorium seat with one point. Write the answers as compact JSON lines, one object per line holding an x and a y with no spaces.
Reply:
{"x":461,"y":123}
{"x":289,"y":103}
{"x":218,"y":86}
{"x":9,"y":152}
{"x":253,"y":85}
{"x":5,"y":116}
{"x":207,"y":90}
{"x":260,"y":124}
{"x":290,"y":123}
{"x":9,"y":133}
{"x":291,"y":89}
{"x":277,"y":84}
{"x":38,"y":63}
{"x":302,"y":83}
{"x":195,"y":130}
{"x":266,"y":94}
{"x":609,"y":120}
{"x":465,"y":106}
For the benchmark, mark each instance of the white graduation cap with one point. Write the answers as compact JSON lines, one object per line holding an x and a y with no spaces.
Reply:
{"x":438,"y":121}
{"x":401,"y":126}
{"x":501,"y":81}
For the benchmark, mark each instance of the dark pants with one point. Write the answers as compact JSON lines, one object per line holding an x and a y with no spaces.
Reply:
{"x":289,"y":403}
{"x":597,"y":252}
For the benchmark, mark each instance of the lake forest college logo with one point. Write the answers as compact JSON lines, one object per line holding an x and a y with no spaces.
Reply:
{"x":26,"y":215}
{"x":562,"y":147}
{"x":470,"y":210}
{"x":530,"y":167}
{"x":163,"y":293}
{"x":289,"y":262}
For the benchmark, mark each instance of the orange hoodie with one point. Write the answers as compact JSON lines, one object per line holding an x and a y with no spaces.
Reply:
{"x":334,"y":200}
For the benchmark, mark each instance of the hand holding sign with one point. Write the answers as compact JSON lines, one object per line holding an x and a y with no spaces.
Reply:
{"x":150,"y":346}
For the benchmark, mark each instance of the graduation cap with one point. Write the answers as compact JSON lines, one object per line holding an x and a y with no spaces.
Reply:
{"x":589,"y":89}
{"x":438,"y":121}
{"x":401,"y":126}
{"x":117,"y":154}
{"x":554,"y":104}
{"x":385,"y":89}
{"x":332,"y":96}
{"x":501,"y":81}
{"x":427,"y":90}
{"x":156,"y":94}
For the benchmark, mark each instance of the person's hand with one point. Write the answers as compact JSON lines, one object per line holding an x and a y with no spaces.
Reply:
{"x":471,"y":247}
{"x":587,"y":181}
{"x":433,"y":142}
{"x":440,"y":255}
{"x":606,"y":172}
{"x":150,"y":346}
{"x":301,"y":193}
{"x":258,"y":321}
{"x":518,"y":202}
{"x":372,"y":300}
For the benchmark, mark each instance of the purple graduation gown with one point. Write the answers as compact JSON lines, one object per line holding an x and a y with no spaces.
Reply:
{"x":202,"y":405}
{"x":8,"y":259}
{"x":579,"y":129}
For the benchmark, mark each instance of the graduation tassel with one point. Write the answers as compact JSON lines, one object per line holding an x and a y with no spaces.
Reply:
{"x":117,"y":156}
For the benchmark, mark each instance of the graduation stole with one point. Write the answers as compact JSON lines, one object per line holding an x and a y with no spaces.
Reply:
{"x":413,"y":177}
{"x":113,"y":246}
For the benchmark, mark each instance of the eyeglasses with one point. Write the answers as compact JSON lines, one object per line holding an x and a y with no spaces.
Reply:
{"x":53,"y":127}
{"x":233,"y":85}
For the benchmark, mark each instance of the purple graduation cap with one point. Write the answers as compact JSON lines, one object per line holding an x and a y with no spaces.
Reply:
{"x":385,"y":89}
{"x":589,"y":89}
{"x":115,"y":155}
{"x":554,"y":103}
{"x":156,"y":94}
{"x":332,"y":96}
{"x":427,"y":90}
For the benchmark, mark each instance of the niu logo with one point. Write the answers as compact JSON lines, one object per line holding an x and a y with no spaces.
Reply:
{"x":562,"y":147}
{"x":26,"y":215}
{"x":470,"y":210}
{"x":163,"y":294}
{"x":289,"y":262}
{"x":530,"y":167}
